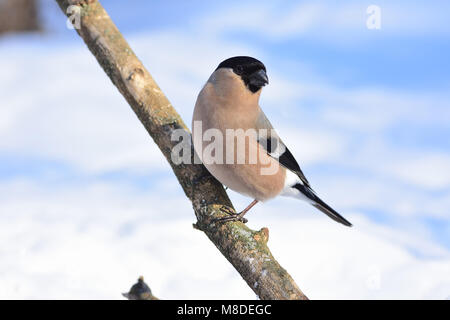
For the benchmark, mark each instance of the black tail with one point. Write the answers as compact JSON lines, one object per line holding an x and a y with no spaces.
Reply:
{"x":322,"y":206}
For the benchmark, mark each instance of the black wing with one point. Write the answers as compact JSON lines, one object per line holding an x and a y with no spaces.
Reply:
{"x":271,"y":142}
{"x":286,"y":159}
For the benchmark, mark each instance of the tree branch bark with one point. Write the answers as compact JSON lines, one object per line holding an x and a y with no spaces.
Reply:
{"x":244,"y":248}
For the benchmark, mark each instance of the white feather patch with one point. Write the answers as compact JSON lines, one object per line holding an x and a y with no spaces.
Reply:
{"x":288,"y":191}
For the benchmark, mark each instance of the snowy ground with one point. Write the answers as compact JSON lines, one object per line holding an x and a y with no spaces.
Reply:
{"x":87,"y":200}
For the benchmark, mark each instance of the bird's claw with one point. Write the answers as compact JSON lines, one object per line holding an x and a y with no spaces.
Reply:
{"x":228,"y":211}
{"x":232,"y":216}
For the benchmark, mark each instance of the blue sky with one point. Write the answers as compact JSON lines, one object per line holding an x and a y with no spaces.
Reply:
{"x":366,"y":113}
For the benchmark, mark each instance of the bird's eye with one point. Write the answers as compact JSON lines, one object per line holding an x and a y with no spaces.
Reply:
{"x":239,"y":69}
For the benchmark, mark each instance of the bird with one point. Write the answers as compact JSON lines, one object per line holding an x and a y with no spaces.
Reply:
{"x":140,"y":291}
{"x":228,"y":104}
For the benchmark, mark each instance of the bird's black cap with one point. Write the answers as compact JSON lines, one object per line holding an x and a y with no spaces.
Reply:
{"x":251,"y":70}
{"x":139,"y":291}
{"x":235,"y":62}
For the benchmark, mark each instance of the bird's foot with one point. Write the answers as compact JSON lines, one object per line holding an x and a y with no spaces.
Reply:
{"x":228,"y":210}
{"x":232,"y":216}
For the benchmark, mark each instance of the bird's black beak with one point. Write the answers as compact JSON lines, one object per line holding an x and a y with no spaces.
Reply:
{"x":258,"y":78}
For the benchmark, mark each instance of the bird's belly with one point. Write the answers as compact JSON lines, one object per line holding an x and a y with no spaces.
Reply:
{"x":243,"y":166}
{"x":260,"y":177}
{"x":247,"y":181}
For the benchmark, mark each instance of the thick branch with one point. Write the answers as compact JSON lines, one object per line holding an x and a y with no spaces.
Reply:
{"x":246,"y":249}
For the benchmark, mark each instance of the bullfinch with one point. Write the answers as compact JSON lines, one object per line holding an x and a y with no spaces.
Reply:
{"x":237,"y":143}
{"x":140,"y":291}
